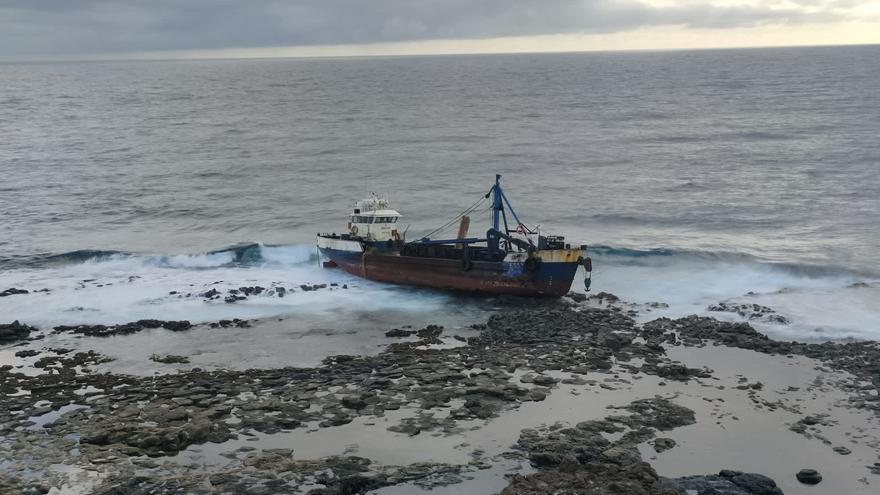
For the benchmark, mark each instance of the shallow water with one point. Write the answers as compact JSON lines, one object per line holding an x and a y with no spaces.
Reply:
{"x":731,"y":432}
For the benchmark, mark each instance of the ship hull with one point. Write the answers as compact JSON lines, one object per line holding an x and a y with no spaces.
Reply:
{"x":552,"y":277}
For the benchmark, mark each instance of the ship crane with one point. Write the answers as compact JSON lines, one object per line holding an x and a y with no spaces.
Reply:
{"x":519,"y":261}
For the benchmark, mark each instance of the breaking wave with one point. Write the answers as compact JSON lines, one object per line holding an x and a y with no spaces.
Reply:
{"x":656,"y":256}
{"x":259,"y":254}
{"x":113,"y":287}
{"x":105,"y":286}
{"x":242,"y":255}
{"x":820,"y":301}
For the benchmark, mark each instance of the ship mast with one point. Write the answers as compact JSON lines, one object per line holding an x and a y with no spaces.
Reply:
{"x":499,"y":200}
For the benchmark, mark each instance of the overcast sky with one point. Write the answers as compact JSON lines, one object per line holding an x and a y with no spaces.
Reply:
{"x":42,"y":29}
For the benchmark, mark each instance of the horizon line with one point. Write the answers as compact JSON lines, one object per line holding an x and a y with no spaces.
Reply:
{"x":168,"y":56}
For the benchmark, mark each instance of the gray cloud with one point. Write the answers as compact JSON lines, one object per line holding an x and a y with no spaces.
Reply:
{"x":70,"y":27}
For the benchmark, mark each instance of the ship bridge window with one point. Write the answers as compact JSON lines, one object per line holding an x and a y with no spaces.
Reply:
{"x":371,"y":219}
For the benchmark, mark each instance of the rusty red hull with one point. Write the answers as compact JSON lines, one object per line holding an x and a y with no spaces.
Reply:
{"x":551,"y":279}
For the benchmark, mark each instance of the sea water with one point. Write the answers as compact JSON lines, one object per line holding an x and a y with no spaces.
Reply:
{"x":747,"y":176}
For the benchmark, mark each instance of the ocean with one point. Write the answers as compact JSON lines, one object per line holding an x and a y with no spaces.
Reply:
{"x":696,"y":177}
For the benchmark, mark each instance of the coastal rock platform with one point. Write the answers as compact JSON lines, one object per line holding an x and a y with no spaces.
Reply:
{"x":563,"y":397}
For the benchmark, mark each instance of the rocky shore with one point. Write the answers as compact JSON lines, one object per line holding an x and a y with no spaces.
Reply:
{"x":67,"y":428}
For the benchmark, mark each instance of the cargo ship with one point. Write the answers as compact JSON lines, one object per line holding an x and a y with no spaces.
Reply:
{"x":515,"y":261}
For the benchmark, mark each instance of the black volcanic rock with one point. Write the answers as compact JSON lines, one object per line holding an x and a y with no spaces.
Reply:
{"x":583,"y":460}
{"x":729,"y":482}
{"x":809,"y":476}
{"x":12,"y":291}
{"x":14,"y":331}
{"x":124,"y":328}
{"x":399,"y":333}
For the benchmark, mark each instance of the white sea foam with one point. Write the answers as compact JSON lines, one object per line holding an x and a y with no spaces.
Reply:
{"x":210,"y":260}
{"x":820,"y":302}
{"x":123,"y":288}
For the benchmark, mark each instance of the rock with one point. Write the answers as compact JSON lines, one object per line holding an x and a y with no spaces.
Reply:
{"x":335,"y":421}
{"x":96,"y":438}
{"x":399,"y":333}
{"x":544,"y":381}
{"x":842,"y":450}
{"x":163,"y":414}
{"x":280,"y":452}
{"x":728,"y":482}
{"x":550,"y":326}
{"x":431,"y":331}
{"x":809,"y":476}
{"x":149,"y":323}
{"x":123,"y":329}
{"x":663,"y":444}
{"x":12,"y":291}
{"x":409,"y":429}
{"x":177,"y":326}
{"x":170,"y":359}
{"x":751,"y":312}
{"x":27,"y":353}
{"x":250,"y":291}
{"x":604,"y":296}
{"x":583,"y":460}
{"x":656,"y":305}
{"x":679,"y":372}
{"x":778,"y":319}
{"x":621,"y":454}
{"x":537,"y":395}
{"x":351,"y":402}
{"x":577,"y":296}
{"x":14,"y":331}
{"x":615,"y":341}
